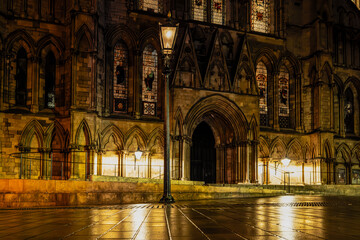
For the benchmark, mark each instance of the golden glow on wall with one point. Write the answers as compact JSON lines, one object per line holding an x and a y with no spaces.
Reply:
{"x":110,"y":163}
{"x":300,"y":172}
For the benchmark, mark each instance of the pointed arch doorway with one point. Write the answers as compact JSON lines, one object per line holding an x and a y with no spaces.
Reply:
{"x":203,"y":155}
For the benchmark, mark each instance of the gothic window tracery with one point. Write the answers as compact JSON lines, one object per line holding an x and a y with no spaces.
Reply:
{"x":149,"y":80}
{"x":260,"y":16}
{"x":50,"y":76}
{"x":120,"y":80}
{"x":284,"y":110}
{"x":349,"y":111}
{"x":218,"y":11}
{"x":199,"y":10}
{"x":21,"y":77}
{"x":150,"y":5}
{"x":261,"y":78}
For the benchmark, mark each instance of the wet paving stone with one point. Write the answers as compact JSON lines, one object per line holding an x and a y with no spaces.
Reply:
{"x":287,"y":217}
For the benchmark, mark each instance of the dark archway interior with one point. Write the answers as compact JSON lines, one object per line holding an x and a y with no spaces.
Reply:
{"x":203,"y":155}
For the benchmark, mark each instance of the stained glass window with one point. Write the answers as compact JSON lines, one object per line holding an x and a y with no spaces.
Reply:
{"x":261,"y":78}
{"x":260,"y":15}
{"x":217,"y":11}
{"x":199,"y":10}
{"x":120,"y":80}
{"x":349,"y":111}
{"x":150,"y":80}
{"x":284,"y":92}
{"x":149,"y":5}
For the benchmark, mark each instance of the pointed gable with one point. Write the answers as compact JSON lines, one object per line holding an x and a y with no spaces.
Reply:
{"x":187,"y":73}
{"x":244,"y":81}
{"x":217,"y":75}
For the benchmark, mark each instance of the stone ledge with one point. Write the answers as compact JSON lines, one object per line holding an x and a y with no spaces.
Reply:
{"x":19,"y":193}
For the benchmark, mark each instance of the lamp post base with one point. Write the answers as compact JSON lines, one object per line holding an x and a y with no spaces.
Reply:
{"x":167,"y":199}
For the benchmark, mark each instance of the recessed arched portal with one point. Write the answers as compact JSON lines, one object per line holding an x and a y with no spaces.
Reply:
{"x":203,"y":155}
{"x":217,"y":121}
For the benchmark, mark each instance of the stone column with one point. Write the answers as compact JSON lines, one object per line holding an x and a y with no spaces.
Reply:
{"x":248,"y":168}
{"x":33,"y":74}
{"x":148,"y":164}
{"x":275,"y":103}
{"x":298,"y":99}
{"x":73,"y":166}
{"x":341,"y":113}
{"x":125,"y":153}
{"x":186,"y":159}
{"x":137,"y":84}
{"x":99,"y":162}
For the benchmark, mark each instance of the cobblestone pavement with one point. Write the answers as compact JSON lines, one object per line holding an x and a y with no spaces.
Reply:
{"x":286,"y":217}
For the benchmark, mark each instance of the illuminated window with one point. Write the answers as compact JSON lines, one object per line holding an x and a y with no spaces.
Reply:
{"x":284,"y":92}
{"x":218,"y":11}
{"x":150,"y":5}
{"x":260,"y":15}
{"x":150,"y":80}
{"x":284,"y":112}
{"x":349,"y":111}
{"x":261,"y":78}
{"x":199,"y":10}
{"x":21,"y":77}
{"x":120,"y":80}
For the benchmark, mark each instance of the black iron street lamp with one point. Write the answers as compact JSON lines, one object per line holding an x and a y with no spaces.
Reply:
{"x":168,"y":34}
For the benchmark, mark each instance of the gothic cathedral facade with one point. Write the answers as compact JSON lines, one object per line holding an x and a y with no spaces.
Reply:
{"x":252,"y":82}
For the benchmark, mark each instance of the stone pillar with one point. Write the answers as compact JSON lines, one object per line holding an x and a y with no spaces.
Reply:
{"x":73,"y":165}
{"x":137,"y":84}
{"x":303,"y":173}
{"x":125,"y":153}
{"x":298,"y":99}
{"x":33,"y":74}
{"x":99,"y":162}
{"x":341,"y":120}
{"x":238,"y":163}
{"x":121,"y":163}
{"x":248,"y":167}
{"x":92,"y":149}
{"x":186,"y":159}
{"x":275,"y":102}
{"x":148,"y":163}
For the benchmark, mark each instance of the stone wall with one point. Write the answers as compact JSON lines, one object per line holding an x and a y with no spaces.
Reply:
{"x":17,"y":193}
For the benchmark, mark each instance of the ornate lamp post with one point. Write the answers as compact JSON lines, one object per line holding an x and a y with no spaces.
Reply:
{"x":138,"y":153}
{"x":168,"y":34}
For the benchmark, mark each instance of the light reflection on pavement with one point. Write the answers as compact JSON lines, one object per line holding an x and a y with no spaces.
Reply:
{"x":286,"y":217}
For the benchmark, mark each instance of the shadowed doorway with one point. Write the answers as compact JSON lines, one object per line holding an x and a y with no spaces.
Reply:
{"x":203,"y":155}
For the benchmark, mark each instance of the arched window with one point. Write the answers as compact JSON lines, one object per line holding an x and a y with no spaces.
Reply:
{"x":349,"y":111}
{"x":261,"y":78}
{"x":21,"y":77}
{"x":260,"y":16}
{"x":50,"y":76}
{"x":120,"y":80}
{"x":199,"y":10}
{"x":150,"y":80}
{"x":218,"y":11}
{"x":150,"y":5}
{"x":284,"y":110}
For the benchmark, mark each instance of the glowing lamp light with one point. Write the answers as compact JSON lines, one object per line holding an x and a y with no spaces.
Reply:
{"x":285,"y":162}
{"x":138,"y":153}
{"x":168,"y":33}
